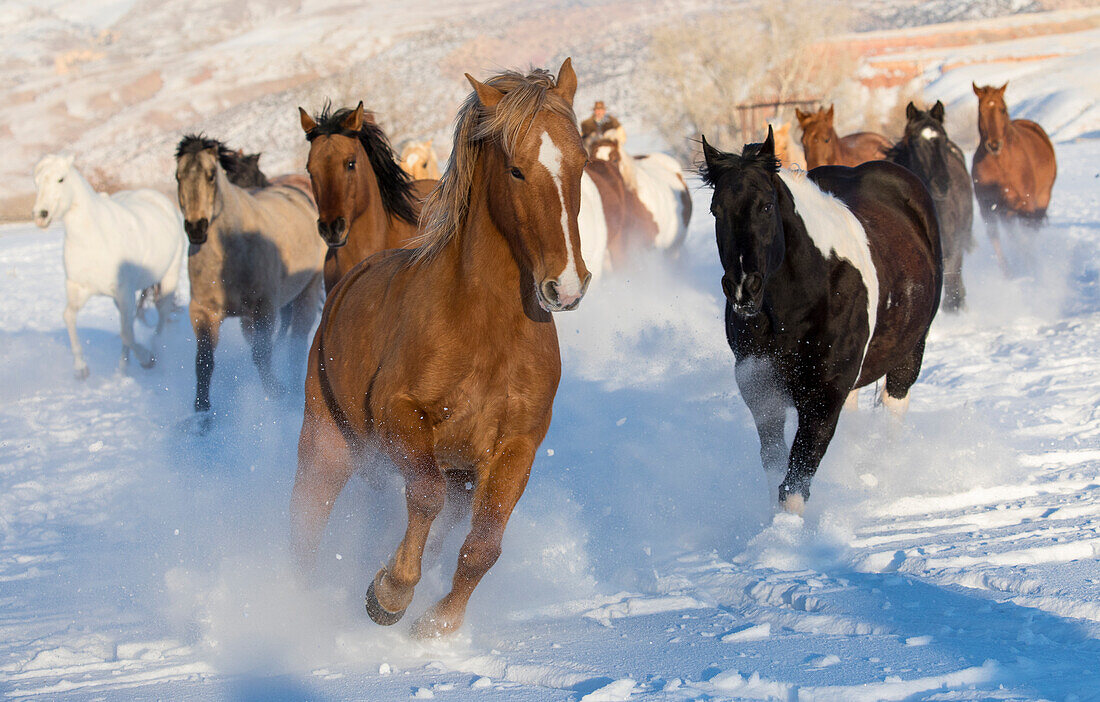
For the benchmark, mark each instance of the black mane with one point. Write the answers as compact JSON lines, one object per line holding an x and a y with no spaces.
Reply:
{"x":394,"y":183}
{"x":722,"y":162}
{"x":243,"y":170}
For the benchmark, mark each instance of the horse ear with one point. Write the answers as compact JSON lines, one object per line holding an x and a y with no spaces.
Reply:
{"x":487,"y":95}
{"x":1001,"y":89}
{"x":937,"y":111}
{"x":910,"y":111}
{"x":308,"y":125}
{"x":768,"y":147}
{"x":567,"y":81}
{"x":801,"y":116}
{"x":829,"y":113}
{"x":69,"y":160}
{"x":354,"y":121}
{"x":711,"y":155}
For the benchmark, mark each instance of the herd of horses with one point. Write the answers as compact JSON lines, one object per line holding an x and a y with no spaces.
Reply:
{"x":436,"y":346}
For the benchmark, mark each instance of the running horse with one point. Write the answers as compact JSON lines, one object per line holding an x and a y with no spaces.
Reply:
{"x":823,"y":147}
{"x":418,"y":159}
{"x":445,"y":357}
{"x":832,"y":279}
{"x":1014,"y":167}
{"x":926,"y":150}
{"x":365,"y":201}
{"x":252,"y":253}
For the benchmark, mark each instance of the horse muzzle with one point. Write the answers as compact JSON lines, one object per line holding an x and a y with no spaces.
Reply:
{"x":42,"y":218}
{"x":334,"y":233}
{"x":552,"y":296}
{"x":196,"y":230}
{"x":745,"y":296}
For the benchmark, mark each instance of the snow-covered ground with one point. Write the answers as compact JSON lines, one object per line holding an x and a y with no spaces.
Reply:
{"x":954,"y":558}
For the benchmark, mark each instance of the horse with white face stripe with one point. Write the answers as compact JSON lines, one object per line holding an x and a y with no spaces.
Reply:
{"x":832,"y":280}
{"x":445,"y":357}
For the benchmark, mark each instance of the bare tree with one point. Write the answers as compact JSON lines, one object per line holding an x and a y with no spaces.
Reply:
{"x":702,"y":67}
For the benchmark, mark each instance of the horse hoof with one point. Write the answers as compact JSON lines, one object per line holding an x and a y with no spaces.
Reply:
{"x":794,"y":504}
{"x":378,"y":613}
{"x":82,"y":373}
{"x":428,"y":626}
{"x":152,"y":362}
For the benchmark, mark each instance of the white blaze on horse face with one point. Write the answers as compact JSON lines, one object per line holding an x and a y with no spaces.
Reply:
{"x":569,"y":281}
{"x":603,"y":153}
{"x":835,"y":230}
{"x":929,"y":133}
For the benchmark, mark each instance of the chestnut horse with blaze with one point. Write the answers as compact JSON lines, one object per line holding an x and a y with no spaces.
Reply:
{"x":445,"y":357}
{"x":1014,"y":167}
{"x":365,"y":201}
{"x":824,"y":147}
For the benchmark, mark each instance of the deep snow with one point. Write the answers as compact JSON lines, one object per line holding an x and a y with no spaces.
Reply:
{"x":954,"y":558}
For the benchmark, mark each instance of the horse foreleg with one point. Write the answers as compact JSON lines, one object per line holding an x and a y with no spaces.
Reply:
{"x":954,"y":292}
{"x":408,"y":443}
{"x":207,"y":324}
{"x":495,"y":497}
{"x":77,"y":295}
{"x":817,"y":417}
{"x":325,"y":462}
{"x":766,"y":401}
{"x":992,"y":230}
{"x":127,"y":311}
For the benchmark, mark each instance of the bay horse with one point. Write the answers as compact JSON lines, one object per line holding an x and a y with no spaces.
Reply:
{"x":926,"y":150}
{"x":118,"y":246}
{"x":418,"y":159}
{"x":445,"y":357}
{"x":658,"y":199}
{"x":252,"y":254}
{"x":832,"y":279}
{"x":365,"y":201}
{"x":823,"y":147}
{"x":1014,"y":167}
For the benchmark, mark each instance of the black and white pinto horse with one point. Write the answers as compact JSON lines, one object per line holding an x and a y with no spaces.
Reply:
{"x":832,"y":279}
{"x":941,"y":166}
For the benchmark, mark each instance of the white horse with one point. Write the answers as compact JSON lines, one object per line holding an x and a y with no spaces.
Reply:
{"x":659,"y":185}
{"x":115,"y":245}
{"x":592,"y":226}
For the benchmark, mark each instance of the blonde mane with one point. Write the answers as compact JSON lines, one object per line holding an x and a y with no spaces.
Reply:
{"x":445,"y":209}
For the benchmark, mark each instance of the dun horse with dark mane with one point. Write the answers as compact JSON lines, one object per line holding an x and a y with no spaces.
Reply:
{"x":832,"y":279}
{"x":445,"y":357}
{"x":365,"y":201}
{"x":1014,"y":167}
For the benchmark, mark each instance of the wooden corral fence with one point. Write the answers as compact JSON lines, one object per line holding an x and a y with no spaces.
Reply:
{"x":753,"y":116}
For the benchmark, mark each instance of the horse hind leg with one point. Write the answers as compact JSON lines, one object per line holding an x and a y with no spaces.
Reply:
{"x":408,"y":444}
{"x":954,"y":298}
{"x":260,"y":334}
{"x":127,"y":311}
{"x":895,"y":391}
{"x":495,"y":496}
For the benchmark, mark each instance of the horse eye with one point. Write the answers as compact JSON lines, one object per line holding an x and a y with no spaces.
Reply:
{"x":61,"y":179}
{"x":516,"y":173}
{"x":767,"y":208}
{"x":351,"y":165}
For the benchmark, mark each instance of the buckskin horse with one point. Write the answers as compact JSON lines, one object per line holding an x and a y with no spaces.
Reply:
{"x":832,"y":279}
{"x":445,"y":357}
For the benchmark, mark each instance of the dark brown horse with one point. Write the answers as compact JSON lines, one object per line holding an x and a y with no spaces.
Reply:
{"x":1014,"y":167}
{"x":365,"y":201}
{"x":445,"y":357}
{"x":824,"y":148}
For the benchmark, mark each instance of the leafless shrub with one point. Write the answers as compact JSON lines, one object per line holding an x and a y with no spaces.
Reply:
{"x":703,"y":66}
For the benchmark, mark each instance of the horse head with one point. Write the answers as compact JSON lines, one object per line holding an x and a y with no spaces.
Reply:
{"x":337,"y":165}
{"x":199,"y":179}
{"x":819,"y":138}
{"x":928,"y":147}
{"x":53,"y":181}
{"x":993,"y":119}
{"x":533,"y":172}
{"x":747,"y":223}
{"x":417,"y":159}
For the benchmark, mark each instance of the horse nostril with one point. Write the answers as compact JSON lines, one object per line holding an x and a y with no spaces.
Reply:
{"x":43,"y":214}
{"x":550,"y":291}
{"x":727,"y":286}
{"x":338,"y":226}
{"x":753,"y":284}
